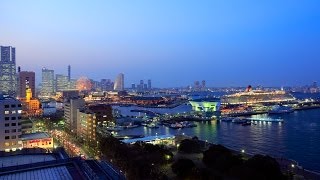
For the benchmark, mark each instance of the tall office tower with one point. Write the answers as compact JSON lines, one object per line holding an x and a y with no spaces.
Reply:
{"x":70,"y":113}
{"x":149,"y":84}
{"x":141,"y":85}
{"x":10,"y":115}
{"x":119,"y":83}
{"x":203,"y":84}
{"x":103,"y":84}
{"x":72,"y":84}
{"x":26,"y":80}
{"x":62,"y":82}
{"x":133,"y":86}
{"x":47,"y":88}
{"x":315,"y":84}
{"x":69,"y":73}
{"x":8,"y":77}
{"x":196,"y":84}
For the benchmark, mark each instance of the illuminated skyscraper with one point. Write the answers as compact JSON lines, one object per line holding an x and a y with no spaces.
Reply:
{"x":47,"y":82}
{"x":149,"y":84}
{"x":62,"y":82}
{"x":26,"y":79}
{"x":119,"y":83}
{"x":8,"y":78}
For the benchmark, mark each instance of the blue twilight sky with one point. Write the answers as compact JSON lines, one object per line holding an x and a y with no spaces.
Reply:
{"x":172,"y":42}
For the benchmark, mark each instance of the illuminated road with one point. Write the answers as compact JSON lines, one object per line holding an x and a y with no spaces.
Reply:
{"x":71,"y":148}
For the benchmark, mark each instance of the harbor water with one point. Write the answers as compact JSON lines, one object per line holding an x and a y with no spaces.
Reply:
{"x":297,"y":138}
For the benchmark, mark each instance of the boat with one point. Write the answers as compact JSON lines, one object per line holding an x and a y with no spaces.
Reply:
{"x":250,"y":96}
{"x":114,"y":128}
{"x":279,"y":109}
{"x":131,"y":126}
{"x":248,"y":123}
{"x":191,"y":124}
{"x":239,"y":120}
{"x":264,"y":120}
{"x":176,"y":126}
{"x":227,"y":119}
{"x":152,"y":125}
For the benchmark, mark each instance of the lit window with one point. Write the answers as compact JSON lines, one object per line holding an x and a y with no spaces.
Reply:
{"x":13,"y":112}
{"x":6,"y":144}
{"x":19,"y":111}
{"x":6,"y":112}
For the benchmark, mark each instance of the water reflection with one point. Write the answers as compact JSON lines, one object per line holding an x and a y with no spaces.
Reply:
{"x":297,"y":137}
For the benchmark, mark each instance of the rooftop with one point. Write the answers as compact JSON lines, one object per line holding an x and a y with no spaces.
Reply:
{"x":8,"y":161}
{"x":50,"y":173}
{"x":31,"y":136}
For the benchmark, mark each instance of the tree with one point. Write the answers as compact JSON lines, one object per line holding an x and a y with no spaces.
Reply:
{"x":183,"y":167}
{"x":220,"y":158}
{"x":189,"y":146}
{"x":264,"y":167}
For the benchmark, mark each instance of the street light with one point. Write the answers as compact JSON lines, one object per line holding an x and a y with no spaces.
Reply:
{"x":242,"y":151}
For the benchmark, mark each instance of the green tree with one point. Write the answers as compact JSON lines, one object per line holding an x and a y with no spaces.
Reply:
{"x":189,"y":146}
{"x":183,"y":167}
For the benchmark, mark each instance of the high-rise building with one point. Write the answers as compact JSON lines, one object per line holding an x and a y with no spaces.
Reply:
{"x":72,"y":84}
{"x":62,"y":82}
{"x":196,"y":85}
{"x":10,"y":126}
{"x":8,"y":77}
{"x":141,"y":85}
{"x":149,"y":84}
{"x":70,"y":113}
{"x":119,"y":83}
{"x":106,"y":85}
{"x":133,"y":86}
{"x":47,"y":88}
{"x":69,"y":73}
{"x":87,"y":126}
{"x":26,"y":80}
{"x":203,"y":84}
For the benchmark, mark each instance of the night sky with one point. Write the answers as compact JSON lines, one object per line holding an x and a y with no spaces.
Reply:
{"x":174,"y":43}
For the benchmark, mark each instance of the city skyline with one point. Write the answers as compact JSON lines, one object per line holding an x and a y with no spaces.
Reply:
{"x":173,"y":43}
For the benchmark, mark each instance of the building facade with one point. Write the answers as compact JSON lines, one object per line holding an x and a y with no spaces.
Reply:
{"x":26,"y":79}
{"x":10,"y":125}
{"x":87,"y":126}
{"x":149,"y":84}
{"x":119,"y":83}
{"x":47,"y":89}
{"x":62,"y":82}
{"x":8,"y":77}
{"x":70,"y":113}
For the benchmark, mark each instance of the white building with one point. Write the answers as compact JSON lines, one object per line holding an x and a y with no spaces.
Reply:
{"x":119,"y":83}
{"x":10,"y":127}
{"x":47,"y":89}
{"x":70,"y":113}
